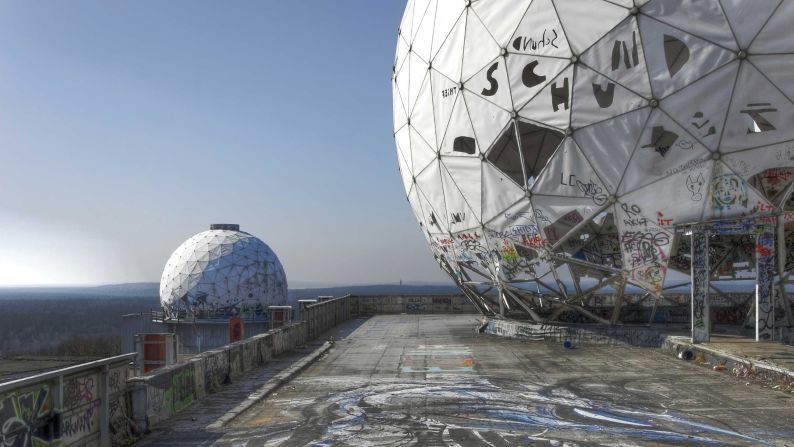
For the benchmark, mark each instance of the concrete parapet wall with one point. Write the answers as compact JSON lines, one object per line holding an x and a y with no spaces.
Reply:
{"x":166,"y":391}
{"x":169,"y":390}
{"x":82,"y":405}
{"x":321,"y":317}
{"x":601,"y":335}
{"x":411,"y":304}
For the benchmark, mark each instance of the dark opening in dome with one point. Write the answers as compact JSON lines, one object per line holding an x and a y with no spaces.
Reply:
{"x":537,"y":145}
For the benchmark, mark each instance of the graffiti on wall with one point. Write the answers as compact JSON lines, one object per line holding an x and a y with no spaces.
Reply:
{"x":180,"y":394}
{"x":645,"y":246}
{"x":216,"y":369}
{"x":80,"y":422}
{"x":78,"y":391}
{"x":700,"y":286}
{"x":765,"y":267}
{"x":173,"y":394}
{"x":27,"y":418}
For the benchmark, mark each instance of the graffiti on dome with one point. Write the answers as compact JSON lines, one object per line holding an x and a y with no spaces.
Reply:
{"x":529,"y":44}
{"x":728,"y":191}
{"x":699,"y":121}
{"x":622,"y":55}
{"x":677,"y":132}
{"x":695,"y":184}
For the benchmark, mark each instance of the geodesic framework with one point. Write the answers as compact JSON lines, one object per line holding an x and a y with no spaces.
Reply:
{"x":542,"y":141}
{"x":222,"y":272}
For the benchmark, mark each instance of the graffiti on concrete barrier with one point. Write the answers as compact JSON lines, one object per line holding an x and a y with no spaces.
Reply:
{"x":730,"y":315}
{"x":118,"y":417}
{"x":173,"y":393}
{"x":27,"y":418}
{"x":80,"y":423}
{"x":180,"y":394}
{"x":216,"y":369}
{"x":414,"y":307}
{"x":79,"y":390}
{"x":765,"y":265}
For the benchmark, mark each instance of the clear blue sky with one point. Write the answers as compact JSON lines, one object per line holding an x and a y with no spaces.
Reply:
{"x":126,"y":127}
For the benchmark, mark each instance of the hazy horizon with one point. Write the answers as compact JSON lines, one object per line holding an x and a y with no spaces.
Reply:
{"x":129,"y":127}
{"x":297,"y":284}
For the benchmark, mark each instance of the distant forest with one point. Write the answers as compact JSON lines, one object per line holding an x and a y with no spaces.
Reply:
{"x":86,"y":321}
{"x":66,"y":326}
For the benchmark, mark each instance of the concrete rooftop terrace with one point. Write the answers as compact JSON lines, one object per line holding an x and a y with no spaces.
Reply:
{"x":407,"y":380}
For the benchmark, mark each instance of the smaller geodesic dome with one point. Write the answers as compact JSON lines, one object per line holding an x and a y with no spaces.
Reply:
{"x":220,"y":273}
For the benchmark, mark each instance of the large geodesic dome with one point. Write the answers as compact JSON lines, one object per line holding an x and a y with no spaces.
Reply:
{"x":544,"y":141}
{"x":222,"y":272}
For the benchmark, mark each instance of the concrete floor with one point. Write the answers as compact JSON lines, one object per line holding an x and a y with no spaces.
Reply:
{"x":408,"y":380}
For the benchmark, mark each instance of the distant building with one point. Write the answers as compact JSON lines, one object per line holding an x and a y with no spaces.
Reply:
{"x":220,"y":273}
{"x":212,"y":277}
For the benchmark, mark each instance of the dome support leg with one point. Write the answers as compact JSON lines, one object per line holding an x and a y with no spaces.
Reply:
{"x":764,"y":298}
{"x":700,"y":286}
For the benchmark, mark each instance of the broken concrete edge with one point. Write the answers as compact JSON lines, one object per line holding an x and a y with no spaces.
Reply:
{"x":750,"y":369}
{"x":271,"y":385}
{"x":596,"y":335}
{"x":746,"y":368}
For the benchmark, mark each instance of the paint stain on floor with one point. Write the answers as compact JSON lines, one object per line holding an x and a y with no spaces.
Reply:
{"x":438,"y":359}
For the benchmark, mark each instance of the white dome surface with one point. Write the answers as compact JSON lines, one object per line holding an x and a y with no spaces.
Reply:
{"x":222,"y":272}
{"x":541,"y":140}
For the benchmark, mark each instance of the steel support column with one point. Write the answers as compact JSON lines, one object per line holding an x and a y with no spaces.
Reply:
{"x":765,"y":275}
{"x":501,"y":300}
{"x":700,"y":286}
{"x":618,"y":304}
{"x":782,"y":253}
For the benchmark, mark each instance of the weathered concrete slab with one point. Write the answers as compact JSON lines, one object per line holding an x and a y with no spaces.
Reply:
{"x":767,"y":363}
{"x":431,"y":380}
{"x":270,"y":386}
